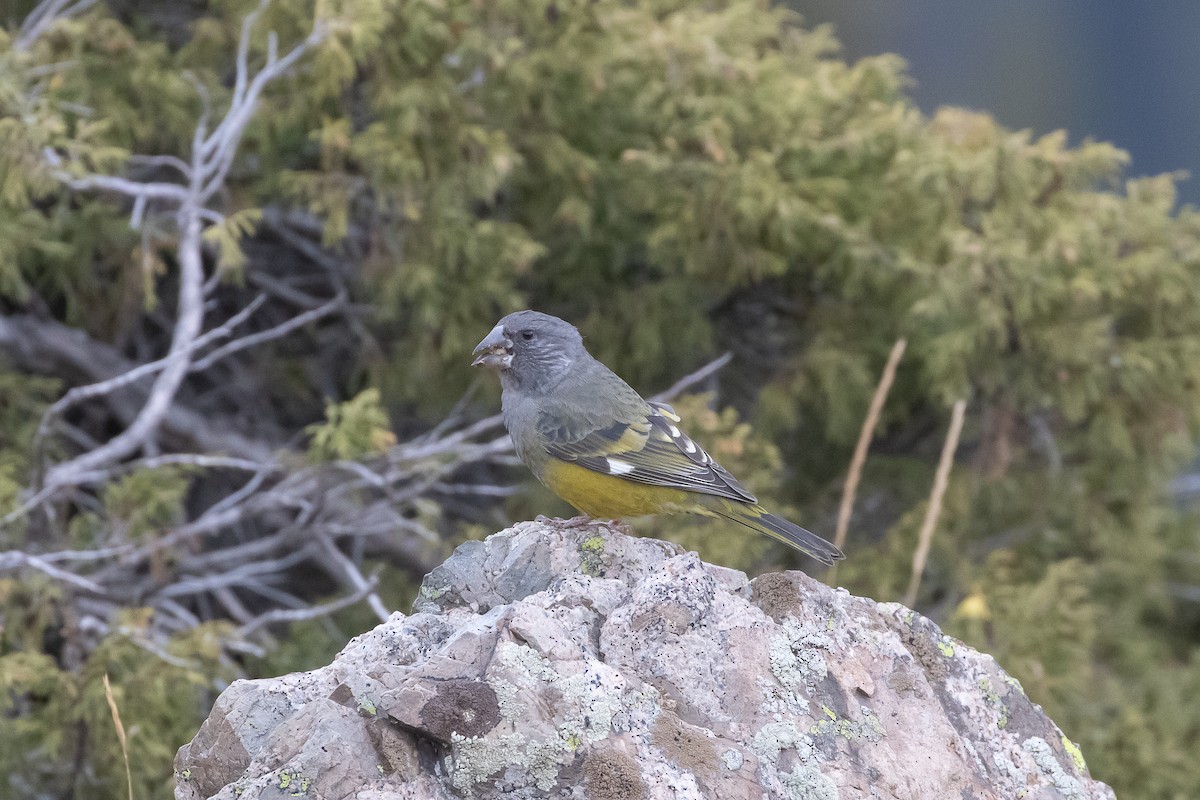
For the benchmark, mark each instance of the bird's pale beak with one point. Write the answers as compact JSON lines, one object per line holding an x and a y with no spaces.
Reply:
{"x":495,"y":351}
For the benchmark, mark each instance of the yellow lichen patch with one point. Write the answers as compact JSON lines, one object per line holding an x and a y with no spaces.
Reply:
{"x":1075,"y":753}
{"x":591,"y":550}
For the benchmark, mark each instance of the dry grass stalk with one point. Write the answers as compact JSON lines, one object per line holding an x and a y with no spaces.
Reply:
{"x":941,"y":478}
{"x":864,"y":442}
{"x":116,"y":715}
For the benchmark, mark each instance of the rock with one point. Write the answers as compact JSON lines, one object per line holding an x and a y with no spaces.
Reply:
{"x":557,"y":661}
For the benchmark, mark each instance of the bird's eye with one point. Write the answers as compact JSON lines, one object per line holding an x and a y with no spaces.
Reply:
{"x":527,"y":335}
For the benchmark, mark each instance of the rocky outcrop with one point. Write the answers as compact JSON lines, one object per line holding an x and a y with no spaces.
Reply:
{"x":558,"y":661}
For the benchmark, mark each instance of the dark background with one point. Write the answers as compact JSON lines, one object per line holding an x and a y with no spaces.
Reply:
{"x":1128,"y":73}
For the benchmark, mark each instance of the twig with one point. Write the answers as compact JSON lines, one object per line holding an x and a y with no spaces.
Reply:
{"x":266,"y":530}
{"x":940,"y":480}
{"x":280,"y":330}
{"x":859,"y":458}
{"x":43,"y":16}
{"x":15,"y":559}
{"x":81,"y":393}
{"x":216,"y":152}
{"x":688,"y":381}
{"x":99,"y":554}
{"x":163,"y":161}
{"x":250,"y":487}
{"x":474,"y":489}
{"x":33,"y":502}
{"x":38,"y":345}
{"x":233,"y":577}
{"x":198,"y":460}
{"x":354,"y":576}
{"x":452,"y":418}
{"x":313,"y":612}
{"x":125,"y":186}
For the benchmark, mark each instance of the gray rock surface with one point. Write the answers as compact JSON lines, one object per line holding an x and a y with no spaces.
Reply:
{"x":556,"y":661}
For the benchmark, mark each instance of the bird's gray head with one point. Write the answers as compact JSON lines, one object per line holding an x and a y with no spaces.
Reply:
{"x":530,"y":349}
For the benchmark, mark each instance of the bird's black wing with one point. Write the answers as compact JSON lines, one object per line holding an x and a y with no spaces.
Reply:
{"x":649,"y":448}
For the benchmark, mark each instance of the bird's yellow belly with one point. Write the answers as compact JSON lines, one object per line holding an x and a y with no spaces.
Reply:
{"x":608,"y":497}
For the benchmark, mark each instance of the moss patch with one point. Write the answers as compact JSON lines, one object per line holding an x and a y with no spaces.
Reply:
{"x":776,"y":594}
{"x":687,"y":746}
{"x":466,"y":708}
{"x":609,"y":775}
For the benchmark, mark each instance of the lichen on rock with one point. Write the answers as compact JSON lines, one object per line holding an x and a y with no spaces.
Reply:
{"x":581,"y":662}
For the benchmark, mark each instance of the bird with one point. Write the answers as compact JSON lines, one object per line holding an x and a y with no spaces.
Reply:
{"x":599,"y":445}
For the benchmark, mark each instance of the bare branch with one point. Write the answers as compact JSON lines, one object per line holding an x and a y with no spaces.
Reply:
{"x":15,"y":559}
{"x":212,"y":158}
{"x":125,"y":186}
{"x":43,"y":16}
{"x":33,"y":502}
{"x":164,"y":161}
{"x":934,"y":510}
{"x":279,"y":331}
{"x":284,"y":514}
{"x":243,"y":54}
{"x":41,"y":345}
{"x":302,"y":614}
{"x":251,"y":486}
{"x":860,"y":449}
{"x":352,"y":574}
{"x":162,"y":393}
{"x":215,"y":156}
{"x":700,"y":375}
{"x":201,"y":460}
{"x":481,"y":489}
{"x":270,"y":526}
{"x":81,"y":393}
{"x":233,"y":577}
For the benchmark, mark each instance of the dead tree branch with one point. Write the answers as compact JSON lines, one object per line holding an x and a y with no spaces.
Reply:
{"x":212,"y":157}
{"x":43,"y":16}
{"x":940,"y":480}
{"x":860,"y":449}
{"x":81,"y":393}
{"x":44,"y":346}
{"x":235,"y":555}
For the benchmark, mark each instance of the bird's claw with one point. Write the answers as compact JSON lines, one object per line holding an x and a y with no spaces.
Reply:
{"x":581,"y":521}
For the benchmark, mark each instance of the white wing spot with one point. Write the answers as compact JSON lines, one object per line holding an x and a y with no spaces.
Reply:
{"x":617,"y":467}
{"x":674,"y":431}
{"x":689,"y":446}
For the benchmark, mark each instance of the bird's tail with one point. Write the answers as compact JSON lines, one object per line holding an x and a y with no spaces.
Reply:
{"x":778,"y":528}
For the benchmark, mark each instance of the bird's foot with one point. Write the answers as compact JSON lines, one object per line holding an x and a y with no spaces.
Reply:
{"x":581,"y":521}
